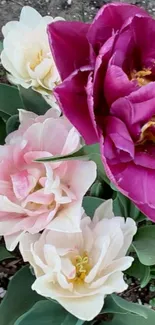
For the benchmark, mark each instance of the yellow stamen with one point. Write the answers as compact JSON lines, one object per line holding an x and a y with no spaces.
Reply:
{"x":141,"y":76}
{"x":38,"y":60}
{"x":82,"y":268}
{"x":147,"y":132}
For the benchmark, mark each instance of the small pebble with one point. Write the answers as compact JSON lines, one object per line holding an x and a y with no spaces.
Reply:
{"x":140,"y":302}
{"x":152,"y":288}
{"x":2,"y":292}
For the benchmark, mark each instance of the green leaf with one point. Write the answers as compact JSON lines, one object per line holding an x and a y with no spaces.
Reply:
{"x":2,"y":131}
{"x":144,"y":245}
{"x":152,"y":302}
{"x":125,"y":208}
{"x":47,"y":313}
{"x":110,"y":307}
{"x":4,"y":254}
{"x":10,"y":100}
{"x":4,"y":116}
{"x":114,"y":188}
{"x":1,"y":46}
{"x":127,"y":313}
{"x":97,"y":189}
{"x":33,"y":101}
{"x":80,"y":154}
{"x":86,"y":152}
{"x":138,"y":271}
{"x":93,"y":152}
{"x":19,"y":297}
{"x":12,"y":124}
{"x":129,"y":306}
{"x":147,"y":277}
{"x":90,"y":204}
{"x":129,"y":319}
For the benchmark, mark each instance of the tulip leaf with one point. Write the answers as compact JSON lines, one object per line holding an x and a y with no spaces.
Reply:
{"x":4,"y":116}
{"x":124,"y":305}
{"x":140,"y":272}
{"x":10,"y":100}
{"x":91,"y":152}
{"x":4,"y":254}
{"x":90,"y":204}
{"x":48,"y":312}
{"x":19,"y":297}
{"x":2,"y":131}
{"x":130,"y":319}
{"x":124,"y":207}
{"x":97,"y":189}
{"x":147,"y":277}
{"x":80,"y":154}
{"x":1,"y":46}
{"x":127,"y":313}
{"x":33,"y":101}
{"x":12,"y":124}
{"x":144,"y":245}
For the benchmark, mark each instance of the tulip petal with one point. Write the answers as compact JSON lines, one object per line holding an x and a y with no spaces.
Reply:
{"x":68,"y":39}
{"x":118,"y":144}
{"x":30,"y":17}
{"x":85,"y":308}
{"x":72,"y":97}
{"x":117,"y":84}
{"x":104,"y":211}
{"x":110,"y":19}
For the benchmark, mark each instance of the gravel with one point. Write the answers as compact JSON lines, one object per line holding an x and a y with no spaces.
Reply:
{"x":69,"y":9}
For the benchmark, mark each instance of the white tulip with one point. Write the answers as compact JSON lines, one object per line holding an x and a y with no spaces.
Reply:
{"x":79,"y":270}
{"x":26,"y":54}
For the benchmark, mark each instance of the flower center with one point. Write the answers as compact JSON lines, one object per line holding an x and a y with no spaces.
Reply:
{"x":35,"y":206}
{"x":82,"y":266}
{"x":38,"y":60}
{"x":142,"y":77}
{"x":36,"y":188}
{"x":147,"y":132}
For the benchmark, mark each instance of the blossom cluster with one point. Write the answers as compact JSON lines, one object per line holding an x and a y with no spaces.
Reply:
{"x":98,"y":80}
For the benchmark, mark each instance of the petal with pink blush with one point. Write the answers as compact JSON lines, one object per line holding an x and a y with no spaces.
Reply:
{"x":7,"y":206}
{"x":23,"y":184}
{"x":26,"y":116}
{"x":78,"y":170}
{"x":39,"y":197}
{"x":11,"y":241}
{"x":72,"y":142}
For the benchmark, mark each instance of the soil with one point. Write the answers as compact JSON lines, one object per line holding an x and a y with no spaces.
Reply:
{"x":69,"y":9}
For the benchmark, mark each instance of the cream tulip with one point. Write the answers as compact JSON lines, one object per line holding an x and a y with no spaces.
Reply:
{"x":26,"y":54}
{"x":79,"y":270}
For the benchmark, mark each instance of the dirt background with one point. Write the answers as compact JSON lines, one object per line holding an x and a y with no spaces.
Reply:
{"x":69,"y":9}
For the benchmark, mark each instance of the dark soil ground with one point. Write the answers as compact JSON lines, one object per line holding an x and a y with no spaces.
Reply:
{"x":78,"y":9}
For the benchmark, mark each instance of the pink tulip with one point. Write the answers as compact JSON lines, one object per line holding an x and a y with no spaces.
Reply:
{"x":33,"y":195}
